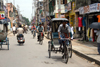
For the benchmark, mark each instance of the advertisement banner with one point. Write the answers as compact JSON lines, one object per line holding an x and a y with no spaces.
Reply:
{"x":81,"y":10}
{"x":67,"y":7}
{"x":2,"y":15}
{"x":42,"y":19}
{"x":90,"y":8}
{"x":61,"y":15}
{"x":93,"y":7}
{"x":86,"y":9}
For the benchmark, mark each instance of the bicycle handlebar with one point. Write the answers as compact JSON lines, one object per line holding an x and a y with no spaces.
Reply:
{"x":65,"y":39}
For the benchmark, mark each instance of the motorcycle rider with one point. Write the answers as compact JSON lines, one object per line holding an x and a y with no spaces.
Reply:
{"x":40,"y":28}
{"x":20,"y":32}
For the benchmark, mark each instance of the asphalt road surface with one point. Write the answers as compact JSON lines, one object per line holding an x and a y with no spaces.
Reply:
{"x":32,"y":54}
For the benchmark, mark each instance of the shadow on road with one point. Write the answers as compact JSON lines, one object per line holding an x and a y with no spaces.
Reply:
{"x":20,"y":45}
{"x":3,"y":49}
{"x":56,"y":58}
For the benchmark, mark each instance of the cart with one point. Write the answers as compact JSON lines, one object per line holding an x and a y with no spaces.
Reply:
{"x":4,"y":40}
{"x":53,"y":45}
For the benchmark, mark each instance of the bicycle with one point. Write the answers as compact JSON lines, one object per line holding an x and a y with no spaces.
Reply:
{"x":67,"y":49}
{"x":41,"y":38}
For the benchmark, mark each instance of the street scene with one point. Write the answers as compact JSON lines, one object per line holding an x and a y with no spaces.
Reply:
{"x":49,"y":33}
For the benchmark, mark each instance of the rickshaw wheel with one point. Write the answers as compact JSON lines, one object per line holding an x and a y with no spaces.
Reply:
{"x":66,"y":56}
{"x":49,"y":48}
{"x":8,"y":44}
{"x":70,"y":50}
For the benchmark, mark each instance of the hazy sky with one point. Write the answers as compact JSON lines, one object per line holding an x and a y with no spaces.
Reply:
{"x":25,"y":7}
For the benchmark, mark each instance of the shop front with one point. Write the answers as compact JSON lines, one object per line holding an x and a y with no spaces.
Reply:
{"x":90,"y":14}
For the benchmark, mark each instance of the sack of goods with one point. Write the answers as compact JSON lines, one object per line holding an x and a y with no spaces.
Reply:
{"x":3,"y":30}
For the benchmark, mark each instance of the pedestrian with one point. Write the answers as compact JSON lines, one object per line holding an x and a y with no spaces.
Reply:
{"x":98,"y":40}
{"x":71,"y":27}
{"x":14,"y":29}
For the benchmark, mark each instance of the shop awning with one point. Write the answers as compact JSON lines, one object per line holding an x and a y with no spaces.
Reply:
{"x":59,"y":19}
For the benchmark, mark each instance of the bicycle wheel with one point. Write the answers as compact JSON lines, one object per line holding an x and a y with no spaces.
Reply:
{"x":70,"y":50}
{"x":41,"y":42}
{"x":66,"y":57}
{"x":49,"y":49}
{"x":8,"y":44}
{"x":33,"y":35}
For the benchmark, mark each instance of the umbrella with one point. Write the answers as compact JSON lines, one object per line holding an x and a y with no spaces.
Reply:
{"x":95,"y":25}
{"x":59,"y":19}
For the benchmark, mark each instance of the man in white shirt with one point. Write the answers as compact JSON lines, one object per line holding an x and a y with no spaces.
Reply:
{"x":63,"y":32}
{"x":14,"y":29}
{"x":20,"y":31}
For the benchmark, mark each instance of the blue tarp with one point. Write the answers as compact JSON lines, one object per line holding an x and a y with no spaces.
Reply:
{"x":3,"y":22}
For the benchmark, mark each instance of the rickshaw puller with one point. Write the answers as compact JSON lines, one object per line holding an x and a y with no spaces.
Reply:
{"x":63,"y":32}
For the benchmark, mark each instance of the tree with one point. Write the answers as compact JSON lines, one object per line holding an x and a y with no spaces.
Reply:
{"x":26,"y":20}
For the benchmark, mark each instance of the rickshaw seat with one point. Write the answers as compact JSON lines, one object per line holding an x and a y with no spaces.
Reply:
{"x":55,"y":35}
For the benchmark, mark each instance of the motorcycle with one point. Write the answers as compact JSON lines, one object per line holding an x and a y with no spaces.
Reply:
{"x":21,"y":39}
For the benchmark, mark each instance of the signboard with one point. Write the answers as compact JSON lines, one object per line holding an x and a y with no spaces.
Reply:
{"x":42,"y":19}
{"x":2,"y":15}
{"x":67,"y":7}
{"x":86,"y":9}
{"x":90,"y":8}
{"x":61,"y":16}
{"x":93,"y":7}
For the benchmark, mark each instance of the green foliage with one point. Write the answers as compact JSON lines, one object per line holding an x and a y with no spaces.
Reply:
{"x":26,"y":20}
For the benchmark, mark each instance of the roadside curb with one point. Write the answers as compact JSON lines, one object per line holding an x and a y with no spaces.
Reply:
{"x":86,"y":57}
{"x":83,"y":55}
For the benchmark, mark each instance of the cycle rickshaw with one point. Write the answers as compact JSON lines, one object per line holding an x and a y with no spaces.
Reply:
{"x":53,"y":45}
{"x":4,"y":40}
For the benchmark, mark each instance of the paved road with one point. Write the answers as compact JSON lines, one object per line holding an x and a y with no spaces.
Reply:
{"x":34,"y":55}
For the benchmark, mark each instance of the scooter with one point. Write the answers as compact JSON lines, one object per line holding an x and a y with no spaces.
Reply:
{"x":21,"y":40}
